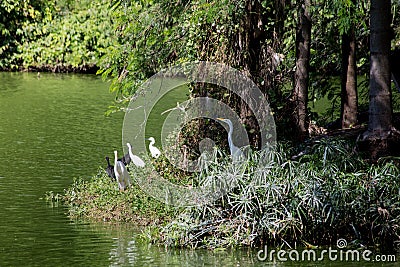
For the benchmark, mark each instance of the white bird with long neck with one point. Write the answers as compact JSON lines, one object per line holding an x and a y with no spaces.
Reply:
{"x":121,"y":174}
{"x":155,"y":152}
{"x":135,"y":159}
{"x":236,"y":153}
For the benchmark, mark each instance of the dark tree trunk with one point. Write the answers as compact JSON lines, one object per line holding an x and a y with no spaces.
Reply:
{"x":395,"y":67}
{"x":381,"y":138}
{"x":349,"y":81}
{"x":300,"y":90}
{"x":248,"y":47}
{"x":380,"y":106}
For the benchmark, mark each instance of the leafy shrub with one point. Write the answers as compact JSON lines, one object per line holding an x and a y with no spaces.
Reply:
{"x":77,"y":36}
{"x":328,"y":194}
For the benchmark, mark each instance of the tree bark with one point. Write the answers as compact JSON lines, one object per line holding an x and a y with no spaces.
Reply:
{"x":300,"y":90}
{"x":381,"y":139}
{"x":349,"y":98}
{"x":380,"y":106}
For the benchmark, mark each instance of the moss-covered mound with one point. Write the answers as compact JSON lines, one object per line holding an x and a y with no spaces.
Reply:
{"x":99,"y":199}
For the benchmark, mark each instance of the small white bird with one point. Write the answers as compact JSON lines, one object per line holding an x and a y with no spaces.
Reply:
{"x":121,"y":174}
{"x":155,"y":152}
{"x":135,"y":159}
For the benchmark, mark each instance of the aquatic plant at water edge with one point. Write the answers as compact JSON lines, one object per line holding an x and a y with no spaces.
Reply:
{"x":327,"y":194}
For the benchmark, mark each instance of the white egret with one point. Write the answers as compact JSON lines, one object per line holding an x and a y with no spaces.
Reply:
{"x":236,"y":153}
{"x":155,"y":152}
{"x":110,"y":169}
{"x":121,"y":174}
{"x":135,"y":159}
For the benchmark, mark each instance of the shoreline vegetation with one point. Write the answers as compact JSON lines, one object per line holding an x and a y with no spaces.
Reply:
{"x":60,"y":68}
{"x":84,"y":69}
{"x":48,"y":36}
{"x":328,"y":193}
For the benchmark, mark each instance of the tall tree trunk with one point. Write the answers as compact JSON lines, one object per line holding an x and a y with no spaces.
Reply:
{"x":253,"y":38}
{"x":300,"y":90}
{"x":378,"y":139}
{"x":380,"y":106}
{"x":349,"y":80}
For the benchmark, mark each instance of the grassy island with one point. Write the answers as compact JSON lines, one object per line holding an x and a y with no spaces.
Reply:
{"x":326,"y":194}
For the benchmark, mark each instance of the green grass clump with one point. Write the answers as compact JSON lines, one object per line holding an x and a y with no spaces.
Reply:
{"x":99,"y":199}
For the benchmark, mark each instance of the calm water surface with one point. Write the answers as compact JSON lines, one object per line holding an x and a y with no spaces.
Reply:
{"x":53,"y":129}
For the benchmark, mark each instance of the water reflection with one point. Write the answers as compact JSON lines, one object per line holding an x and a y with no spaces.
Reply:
{"x":52,"y":130}
{"x":126,"y":250}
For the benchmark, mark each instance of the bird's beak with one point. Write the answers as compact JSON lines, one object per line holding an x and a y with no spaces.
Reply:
{"x":220,"y":119}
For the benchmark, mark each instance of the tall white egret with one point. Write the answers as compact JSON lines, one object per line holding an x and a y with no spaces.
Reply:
{"x":236,"y":153}
{"x":135,"y":159}
{"x":121,"y":174}
{"x":110,"y":169}
{"x":155,"y":152}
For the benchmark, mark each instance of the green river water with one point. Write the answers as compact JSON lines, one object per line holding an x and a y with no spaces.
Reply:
{"x":53,"y":129}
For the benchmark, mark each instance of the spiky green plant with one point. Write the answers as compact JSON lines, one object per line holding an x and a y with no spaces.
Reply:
{"x":327,"y":193}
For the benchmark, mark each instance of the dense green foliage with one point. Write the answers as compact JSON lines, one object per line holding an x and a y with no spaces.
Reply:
{"x":14,"y":17}
{"x":155,"y":34}
{"x":77,"y":37}
{"x":65,"y":36}
{"x":135,"y":39}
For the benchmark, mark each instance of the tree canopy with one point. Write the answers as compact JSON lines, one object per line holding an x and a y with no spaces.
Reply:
{"x":131,"y":40}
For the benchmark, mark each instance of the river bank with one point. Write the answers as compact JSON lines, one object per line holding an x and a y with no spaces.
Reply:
{"x":55,"y":68}
{"x":326,"y":194}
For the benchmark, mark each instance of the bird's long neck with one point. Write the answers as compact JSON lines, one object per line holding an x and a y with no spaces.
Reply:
{"x":108,"y":161}
{"x":116,"y":157}
{"x":230,"y":141}
{"x":230,"y":131}
{"x":230,"y":134}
